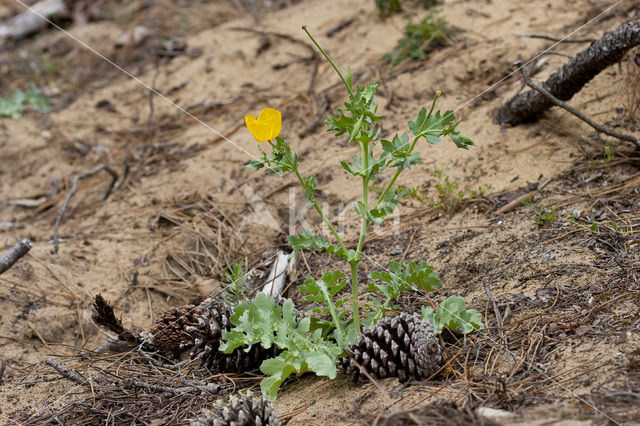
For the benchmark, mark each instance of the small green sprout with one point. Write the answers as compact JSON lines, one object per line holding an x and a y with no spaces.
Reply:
{"x":527,"y":201}
{"x":237,"y":282}
{"x":15,"y":105}
{"x":546,"y":217}
{"x":387,"y":8}
{"x":420,"y":39}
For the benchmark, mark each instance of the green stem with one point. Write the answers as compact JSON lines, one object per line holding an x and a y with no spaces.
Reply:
{"x":324,"y":218}
{"x":304,"y":27}
{"x":355,"y":304}
{"x":334,"y":315}
{"x":365,"y":196}
{"x":395,"y":176}
{"x":433,"y":105}
{"x":364,"y":150}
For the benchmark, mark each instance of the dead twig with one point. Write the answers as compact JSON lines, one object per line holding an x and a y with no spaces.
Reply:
{"x":66,"y":373}
{"x":74,"y":188}
{"x":14,"y":254}
{"x":558,"y":40}
{"x":496,"y":311}
{"x":607,"y":131}
{"x":340,"y":26}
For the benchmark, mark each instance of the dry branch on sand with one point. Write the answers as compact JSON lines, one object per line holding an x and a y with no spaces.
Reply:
{"x":607,"y":131}
{"x":74,"y":188}
{"x":569,"y":79}
{"x":14,"y":254}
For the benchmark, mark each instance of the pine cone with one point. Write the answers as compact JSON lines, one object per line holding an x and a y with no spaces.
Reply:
{"x":247,"y":410}
{"x":172,"y":331}
{"x":198,"y":329}
{"x":404,"y":346}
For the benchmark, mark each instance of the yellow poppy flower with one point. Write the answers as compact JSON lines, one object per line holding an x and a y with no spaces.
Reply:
{"x":267,"y":126}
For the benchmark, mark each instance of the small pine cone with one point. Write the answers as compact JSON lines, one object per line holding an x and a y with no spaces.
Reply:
{"x":246,"y":410}
{"x":404,"y":346}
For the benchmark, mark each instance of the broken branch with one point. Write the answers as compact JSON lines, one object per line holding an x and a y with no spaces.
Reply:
{"x":14,"y":254}
{"x":74,"y":188}
{"x":572,"y":110}
{"x":569,"y":79}
{"x":66,"y":373}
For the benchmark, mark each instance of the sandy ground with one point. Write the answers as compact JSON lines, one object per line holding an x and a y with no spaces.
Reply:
{"x":187,"y":204}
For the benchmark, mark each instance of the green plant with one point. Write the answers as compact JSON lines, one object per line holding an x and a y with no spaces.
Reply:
{"x":527,"y":201}
{"x":414,"y":192}
{"x":480,"y":191}
{"x":453,"y":315}
{"x":389,"y":7}
{"x":19,"y":100}
{"x":546,"y":217}
{"x":419,"y":39}
{"x":400,"y":277}
{"x":262,"y":322}
{"x":610,"y":152}
{"x":237,"y":282}
{"x":314,"y":343}
{"x":448,"y":196}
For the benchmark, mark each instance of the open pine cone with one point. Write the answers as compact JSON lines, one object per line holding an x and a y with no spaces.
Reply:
{"x":404,"y":346}
{"x":246,"y":410}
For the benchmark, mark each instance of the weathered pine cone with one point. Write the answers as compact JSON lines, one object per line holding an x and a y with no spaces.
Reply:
{"x":404,"y":346}
{"x":173,"y":331}
{"x":246,"y":410}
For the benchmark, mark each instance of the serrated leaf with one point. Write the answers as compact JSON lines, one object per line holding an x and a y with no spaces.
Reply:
{"x":398,"y":152}
{"x":434,"y":124}
{"x":341,"y":124}
{"x":398,"y":145}
{"x":388,"y":204}
{"x":453,"y":315}
{"x":358,"y":118}
{"x":460,"y":140}
{"x":351,"y":170}
{"x":310,"y":187}
{"x":317,"y":290}
{"x":308,"y":240}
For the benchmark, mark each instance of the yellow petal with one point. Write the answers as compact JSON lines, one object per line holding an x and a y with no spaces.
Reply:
{"x":267,"y":126}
